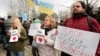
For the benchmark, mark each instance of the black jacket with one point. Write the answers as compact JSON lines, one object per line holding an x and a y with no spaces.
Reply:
{"x":2,"y":28}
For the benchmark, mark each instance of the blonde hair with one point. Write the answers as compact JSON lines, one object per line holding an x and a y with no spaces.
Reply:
{"x":53,"y":23}
{"x":17,"y":23}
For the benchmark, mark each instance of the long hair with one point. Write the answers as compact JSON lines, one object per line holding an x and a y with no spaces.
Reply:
{"x":82,"y":4}
{"x":18,"y":24}
{"x":53,"y":23}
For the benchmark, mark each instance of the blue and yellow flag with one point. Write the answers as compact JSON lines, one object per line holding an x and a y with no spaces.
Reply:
{"x":30,"y":3}
{"x":45,"y":7}
{"x":45,"y":10}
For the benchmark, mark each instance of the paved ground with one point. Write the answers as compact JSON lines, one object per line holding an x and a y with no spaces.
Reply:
{"x":28,"y":50}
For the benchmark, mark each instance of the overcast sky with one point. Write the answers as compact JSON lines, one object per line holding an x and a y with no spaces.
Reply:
{"x":3,"y":7}
{"x":59,"y":5}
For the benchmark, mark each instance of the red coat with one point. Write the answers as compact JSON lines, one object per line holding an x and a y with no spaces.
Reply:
{"x":82,"y":24}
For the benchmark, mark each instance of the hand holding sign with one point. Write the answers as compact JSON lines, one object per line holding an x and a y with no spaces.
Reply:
{"x":8,"y":33}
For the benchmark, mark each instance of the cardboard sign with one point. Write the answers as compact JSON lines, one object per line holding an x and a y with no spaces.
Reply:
{"x":76,"y":42}
{"x":14,"y":36}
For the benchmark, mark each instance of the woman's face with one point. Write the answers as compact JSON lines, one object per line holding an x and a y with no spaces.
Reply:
{"x":46,"y":21}
{"x":13,"y":24}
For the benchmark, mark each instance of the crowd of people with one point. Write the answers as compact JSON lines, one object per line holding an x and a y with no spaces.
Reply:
{"x":78,"y":20}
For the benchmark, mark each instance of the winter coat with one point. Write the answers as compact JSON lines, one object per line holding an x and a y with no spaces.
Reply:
{"x":19,"y":46}
{"x":82,"y":23}
{"x":48,"y":48}
{"x":2,"y":28}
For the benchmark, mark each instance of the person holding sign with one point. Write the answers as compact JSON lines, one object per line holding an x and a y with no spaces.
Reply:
{"x":79,"y":21}
{"x":17,"y":35}
{"x":35,"y":49}
{"x":46,"y":42}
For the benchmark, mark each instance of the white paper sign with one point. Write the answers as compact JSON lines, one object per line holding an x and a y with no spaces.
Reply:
{"x":40,"y":39}
{"x":76,"y":42}
{"x":14,"y":36}
{"x":40,"y":36}
{"x":34,"y":28}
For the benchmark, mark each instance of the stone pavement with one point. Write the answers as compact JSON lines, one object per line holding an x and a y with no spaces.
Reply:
{"x":28,"y":50}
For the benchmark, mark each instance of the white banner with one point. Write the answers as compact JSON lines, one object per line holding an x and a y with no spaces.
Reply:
{"x":76,"y":42}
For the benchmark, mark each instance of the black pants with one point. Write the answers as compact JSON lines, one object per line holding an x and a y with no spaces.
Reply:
{"x":64,"y":54}
{"x":8,"y":53}
{"x":30,"y":39}
{"x":35,"y":51}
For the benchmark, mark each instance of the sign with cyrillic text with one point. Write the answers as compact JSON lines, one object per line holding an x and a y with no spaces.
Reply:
{"x":76,"y":42}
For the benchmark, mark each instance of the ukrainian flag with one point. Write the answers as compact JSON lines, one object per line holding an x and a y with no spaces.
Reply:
{"x":45,"y":7}
{"x":30,"y":3}
{"x":45,"y":10}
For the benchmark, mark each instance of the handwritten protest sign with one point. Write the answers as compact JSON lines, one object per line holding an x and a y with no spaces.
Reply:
{"x":14,"y":36}
{"x":40,"y":36}
{"x":76,"y":42}
{"x":34,"y":29}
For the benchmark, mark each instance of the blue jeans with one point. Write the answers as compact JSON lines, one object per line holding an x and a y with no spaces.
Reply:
{"x":21,"y":53}
{"x":5,"y":42}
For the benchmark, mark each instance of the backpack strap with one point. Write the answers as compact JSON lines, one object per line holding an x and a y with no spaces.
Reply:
{"x":89,"y":22}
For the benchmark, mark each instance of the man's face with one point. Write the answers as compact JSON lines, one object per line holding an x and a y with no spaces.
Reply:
{"x":77,"y":8}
